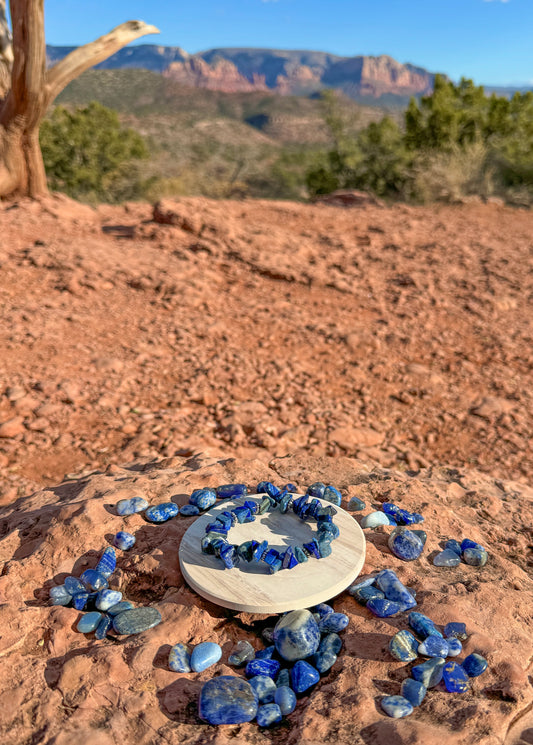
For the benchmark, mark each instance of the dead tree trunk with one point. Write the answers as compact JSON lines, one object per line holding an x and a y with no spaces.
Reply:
{"x":28,"y":88}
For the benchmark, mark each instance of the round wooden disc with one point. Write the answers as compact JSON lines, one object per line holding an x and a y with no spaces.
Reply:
{"x":250,"y":587}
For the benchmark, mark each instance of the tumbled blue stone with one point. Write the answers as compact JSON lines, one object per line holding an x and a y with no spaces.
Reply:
{"x":330,"y":643}
{"x":303,"y":676}
{"x":333,"y":623}
{"x":268,"y":714}
{"x":290,"y":487}
{"x":179,"y":659}
{"x":422,"y":625}
{"x":447,"y":558}
{"x":217,"y":527}
{"x":107,"y":599}
{"x":229,"y":556}
{"x":283,"y":678}
{"x":204,"y":655}
{"x":323,"y":661}
{"x":404,"y":646}
{"x":189,"y":510}
{"x":60,"y":596}
{"x":393,"y":510}
{"x":88,"y":622}
{"x":227,"y":700}
{"x":374,"y":519}
{"x":103,"y":627}
{"x":243,"y":515}
{"x":260,"y":551}
{"x":227,"y":519}
{"x":264,"y":688}
{"x":383,"y":608}
{"x":356,"y":505}
{"x":333,"y":495}
{"x":107,"y":563}
{"x":388,"y":582}
{"x":296,"y":635}
{"x":265,"y":654}
{"x":323,"y":609}
{"x":429,"y":673}
{"x":124,"y":540}
{"x":454,"y":546}
{"x":467,"y":543}
{"x":329,"y":529}
{"x":73,"y":585}
{"x":231,"y":491}
{"x":242,"y":653}
{"x":79,"y":600}
{"x":316,"y":490}
{"x":262,"y":667}
{"x":456,"y":629}
{"x":136,"y":620}
{"x":120,"y":607}
{"x":300,"y":554}
{"x":289,"y":560}
{"x":131,"y":506}
{"x":421,"y":534}
{"x":434,"y":646}
{"x":285,"y":698}
{"x":455,"y":678}
{"x":160,"y":513}
{"x":476,"y":557}
{"x":474,"y":665}
{"x":271,"y":558}
{"x":366,"y":582}
{"x":405,"y":544}
{"x":94,"y":580}
{"x":267,"y":487}
{"x":203,"y":498}
{"x":454,"y":646}
{"x":396,"y":706}
{"x":413,"y":691}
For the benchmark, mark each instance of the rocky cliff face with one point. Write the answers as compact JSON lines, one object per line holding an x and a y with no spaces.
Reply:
{"x":222,"y":75}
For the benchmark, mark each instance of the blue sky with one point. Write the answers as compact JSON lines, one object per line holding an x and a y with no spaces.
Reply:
{"x":487,"y":40}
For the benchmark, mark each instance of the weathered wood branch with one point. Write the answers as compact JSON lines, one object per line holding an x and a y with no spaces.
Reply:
{"x":6,"y":50}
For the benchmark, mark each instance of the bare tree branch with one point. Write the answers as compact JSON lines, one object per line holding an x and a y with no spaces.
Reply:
{"x":83,"y":58}
{"x":6,"y":50}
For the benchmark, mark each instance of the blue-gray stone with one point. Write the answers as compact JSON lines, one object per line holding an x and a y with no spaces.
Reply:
{"x":333,"y":495}
{"x":285,"y":698}
{"x":262,"y":667}
{"x":413,"y":691}
{"x":429,"y":673}
{"x":94,"y":580}
{"x":136,"y":620}
{"x":404,"y":646}
{"x":323,"y":661}
{"x":455,"y":678}
{"x":366,"y":582}
{"x":227,"y":700}
{"x":330,"y":643}
{"x":396,"y":706}
{"x":120,"y":607}
{"x":231,"y":491}
{"x":454,"y":646}
{"x":204,"y":655}
{"x":405,"y":544}
{"x":103,"y":627}
{"x":283,"y":678}
{"x":268,"y":634}
{"x":388,"y":582}
{"x":188,"y":510}
{"x":268,"y":714}
{"x":242,"y":653}
{"x":79,"y":600}
{"x":316,"y":490}
{"x":376,"y":518}
{"x":367,"y":593}
{"x":333,"y":623}
{"x":296,"y":635}
{"x":160,"y":513}
{"x":474,"y":665}
{"x":422,"y":625}
{"x":267,"y":487}
{"x":265,"y":654}
{"x":421,"y":534}
{"x":383,"y":608}
{"x":356,"y":505}
{"x":73,"y":585}
{"x":107,"y":563}
{"x":454,"y":546}
{"x":476,"y":557}
{"x":60,"y":596}
{"x":179,"y":658}
{"x":203,"y":498}
{"x":107,"y":599}
{"x":467,"y":543}
{"x":303,"y":676}
{"x":124,"y":540}
{"x":89,"y":622}
{"x":323,"y":609}
{"x":447,"y":558}
{"x":264,"y":688}
{"x":434,"y":646}
{"x":456,"y":629}
{"x":131,"y":506}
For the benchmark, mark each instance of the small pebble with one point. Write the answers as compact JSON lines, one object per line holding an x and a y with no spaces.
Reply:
{"x":323,"y":661}
{"x":296,"y":635}
{"x":333,"y":623}
{"x":124,"y":540}
{"x":203,"y":498}
{"x":179,"y":658}
{"x":458,"y":630}
{"x":455,"y":678}
{"x":94,"y":580}
{"x":388,"y":582}
{"x":429,"y":673}
{"x":368,"y":593}
{"x":285,"y":698}
{"x":422,"y":625}
{"x":413,"y":691}
{"x":120,"y":607}
{"x":434,"y":646}
{"x":330,"y":643}
{"x":160,"y":513}
{"x":231,"y":491}
{"x":316,"y":490}
{"x":188,"y":510}
{"x":447,"y":558}
{"x":131,"y":506}
{"x":405,"y":544}
{"x":467,"y":543}
{"x":454,"y":546}
{"x":476,"y":557}
{"x":283,"y":678}
{"x":323,"y":609}
{"x":204,"y":655}
{"x":474,"y":665}
{"x":227,"y":699}
{"x":266,"y":653}
{"x":356,"y":505}
{"x":268,"y":715}
{"x":262,"y":667}
{"x":242,"y":653}
{"x":404,"y":646}
{"x":60,"y":596}
{"x":366,"y":582}
{"x":88,"y":622}
{"x":383,"y":608}
{"x":396,"y":706}
{"x":264,"y":688}
{"x":79,"y":600}
{"x":73,"y":585}
{"x":103,"y":627}
{"x":136,"y":620}
{"x":333,"y":495}
{"x":107,"y":563}
{"x":454,"y":646}
{"x":107,"y":599}
{"x":376,"y":518}
{"x":303,"y":676}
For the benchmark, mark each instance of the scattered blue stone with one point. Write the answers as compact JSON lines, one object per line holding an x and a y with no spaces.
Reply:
{"x":60,"y":596}
{"x":73,"y":585}
{"x":434,"y":646}
{"x":229,"y":556}
{"x":79,"y":600}
{"x":394,"y":590}
{"x":103,"y":627}
{"x":454,"y":546}
{"x":204,"y":655}
{"x":285,"y":698}
{"x":107,"y":563}
{"x":404,"y":646}
{"x":454,"y":646}
{"x":323,"y":661}
{"x":316,"y":490}
{"x":296,"y":635}
{"x":227,"y":700}
{"x":131,"y":506}
{"x":429,"y":673}
{"x":267,"y":487}
{"x":356,"y":505}
{"x":94,"y":580}
{"x":241,"y":654}
{"x":264,"y":688}
{"x":455,"y":678}
{"x":283,"y":678}
{"x":422,"y":625}
{"x":266,"y":653}
{"x":396,"y":706}
{"x":300,"y":554}
{"x":124,"y":540}
{"x":474,"y":665}
{"x":330,"y":643}
{"x":413,"y":691}
{"x":120,"y":608}
{"x":447,"y":558}
{"x":458,"y":630}
{"x":291,"y":488}
{"x":160,"y":513}
{"x":367,"y":593}
{"x":303,"y":676}
{"x":262,"y":667}
{"x":376,"y":518}
{"x":203,"y":498}
{"x":179,"y":659}
{"x":231,"y":491}
{"x":420,"y":534}
{"x":405,"y":544}
{"x":383,"y":608}
{"x":323,"y":609}
{"x":268,"y":714}
{"x":366,"y":582}
{"x":476,"y":557}
{"x":467,"y":543}
{"x":107,"y":599}
{"x":333,"y":623}
{"x":188,"y":510}
{"x":89,"y":622}
{"x":333,"y":495}
{"x":136,"y":620}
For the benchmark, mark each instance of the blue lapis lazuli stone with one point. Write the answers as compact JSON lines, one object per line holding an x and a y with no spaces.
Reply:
{"x":216,"y":527}
{"x":94,"y":580}
{"x":227,"y":700}
{"x":285,"y":698}
{"x":203,"y":498}
{"x":59,"y":595}
{"x":229,"y":556}
{"x":383,"y":608}
{"x":429,"y":673}
{"x":396,"y":706}
{"x":264,"y":688}
{"x":124,"y":540}
{"x":422,"y":625}
{"x":333,"y":495}
{"x":160,"y":513}
{"x":179,"y":659}
{"x":312,"y":548}
{"x":323,"y":609}
{"x":268,"y":714}
{"x":447,"y":558}
{"x":476,"y":557}
{"x":454,"y":646}
{"x":434,"y":646}
{"x":364,"y":594}
{"x":136,"y":620}
{"x":323,"y":661}
{"x":73,"y":585}
{"x":303,"y":676}
{"x":333,"y":623}
{"x":103,"y":627}
{"x":405,"y":544}
{"x":330,"y":529}
{"x":107,"y":563}
{"x":467,"y":543}
{"x":413,"y":691}
{"x":283,"y":678}
{"x":454,"y":546}
{"x":289,"y":560}
{"x":89,"y":622}
{"x":189,"y":510}
{"x":300,"y":554}
{"x":296,"y":635}
{"x":456,"y":629}
{"x":316,"y":490}
{"x":366,"y":582}
{"x":404,"y":646}
{"x":330,"y":643}
{"x":356,"y":505}
{"x":231,"y":491}
{"x":79,"y":600}
{"x":259,"y":551}
{"x":267,"y":487}
{"x":290,"y":487}
{"x":455,"y":678}
{"x":107,"y":599}
{"x":388,"y":582}
{"x":474,"y":665}
{"x":252,"y":506}
{"x":262,"y":667}
{"x":265,"y":654}
{"x":243,"y":514}
{"x":227,"y":519}
{"x":374,"y":519}
{"x":120,"y":607}
{"x":204,"y":655}
{"x":131,"y":506}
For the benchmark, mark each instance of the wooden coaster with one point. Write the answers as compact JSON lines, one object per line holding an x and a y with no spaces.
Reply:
{"x":250,"y":587}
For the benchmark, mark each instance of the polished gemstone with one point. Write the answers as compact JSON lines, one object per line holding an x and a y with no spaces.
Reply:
{"x":259,"y":551}
{"x":229,"y":556}
{"x":476,"y":557}
{"x":243,"y":515}
{"x":107,"y":563}
{"x":396,"y":706}
{"x":103,"y":627}
{"x":388,"y":582}
{"x":329,"y":529}
{"x":422,"y":625}
{"x":454,"y":646}
{"x":283,"y":678}
{"x":404,"y":646}
{"x":300,"y":554}
{"x":429,"y":673}
{"x":136,"y":620}
{"x":227,"y":700}
{"x":434,"y":646}
{"x":179,"y":658}
{"x":316,"y":490}
{"x":312,"y":548}
{"x":285,"y":698}
{"x":94,"y":580}
{"x":296,"y":635}
{"x":289,"y":560}
{"x":333,"y":623}
{"x":268,"y":714}
{"x":264,"y":688}
{"x":303,"y":676}
{"x":333,"y":495}
{"x":366,"y":582}
{"x":401,"y":516}
{"x":266,"y":654}
{"x":231,"y":491}
{"x":60,"y":596}
{"x":268,"y":634}
{"x":405,"y":544}
{"x":455,"y":678}
{"x":262,"y":667}
{"x":242,"y":653}
{"x":365,"y":594}
{"x":376,"y":518}
{"x":189,"y":510}
{"x":323,"y":609}
{"x":467,"y":543}
{"x":421,"y":534}
{"x":356,"y":505}
{"x":89,"y":622}
{"x":124,"y":540}
{"x":203,"y":498}
{"x":120,"y":607}
{"x":413,"y":691}
{"x":106,"y":599}
{"x":323,"y":661}
{"x":73,"y":585}
{"x":454,"y":546}
{"x":131,"y":506}
{"x":267,"y":504}
{"x":204,"y":655}
{"x":267,"y":487}
{"x":79,"y":600}
{"x":272,"y":558}
{"x":474,"y":665}
{"x":330,"y":643}
{"x":447,"y":558}
{"x":160,"y":513}
{"x":383,"y":608}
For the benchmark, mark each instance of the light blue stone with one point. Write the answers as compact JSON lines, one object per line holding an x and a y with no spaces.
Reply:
{"x":107,"y":563}
{"x":474,"y":665}
{"x":94,"y":580}
{"x":120,"y":608}
{"x":203,"y":498}
{"x":333,"y":495}
{"x":356,"y":505}
{"x":429,"y":673}
{"x":323,"y":609}
{"x":103,"y":627}
{"x":59,"y":595}
{"x":323,"y":661}
{"x":73,"y":585}
{"x":89,"y":622}
{"x":453,"y":545}
{"x":330,"y":643}
{"x":268,"y":715}
{"x":383,"y":608}
{"x":388,"y":582}
{"x":285,"y":698}
{"x":124,"y":540}
{"x":227,"y":700}
{"x":131,"y":506}
{"x":262,"y":667}
{"x":396,"y":706}
{"x":454,"y":646}
{"x":456,"y":629}
{"x":283,"y":678}
{"x":376,"y":518}
{"x":179,"y":659}
{"x":303,"y":676}
{"x":107,"y":599}
{"x":447,"y":558}
{"x":204,"y":655}
{"x":434,"y":646}
{"x":242,"y":653}
{"x":136,"y":620}
{"x":296,"y":635}
{"x":422,"y":625}
{"x":455,"y":678}
{"x":264,"y":688}
{"x":476,"y":557}
{"x":79,"y":600}
{"x":404,"y":646}
{"x":366,"y":582}
{"x":265,"y":654}
{"x":188,"y":510}
{"x":160,"y":513}
{"x":333,"y":623}
{"x":405,"y":544}
{"x":413,"y":691}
